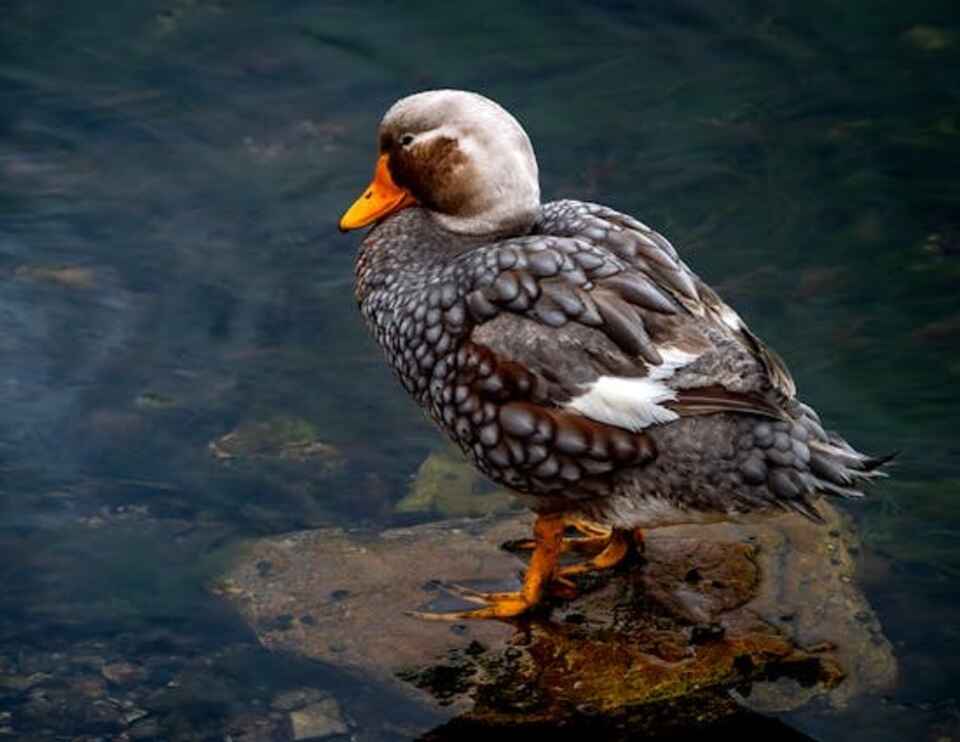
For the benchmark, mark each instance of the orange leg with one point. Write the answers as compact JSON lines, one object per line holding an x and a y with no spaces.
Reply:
{"x":616,"y":550}
{"x":593,"y":540}
{"x":608,"y":546}
{"x":548,"y":539}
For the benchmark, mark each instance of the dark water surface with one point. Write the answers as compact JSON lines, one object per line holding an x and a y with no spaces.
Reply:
{"x":171,"y":174}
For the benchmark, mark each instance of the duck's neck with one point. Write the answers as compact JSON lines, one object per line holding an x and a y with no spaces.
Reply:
{"x":407,"y":251}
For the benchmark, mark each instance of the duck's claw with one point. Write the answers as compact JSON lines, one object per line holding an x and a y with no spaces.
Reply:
{"x":617,"y":548}
{"x":495,"y":605}
{"x":593,"y":538}
{"x":519,"y":544}
{"x":471,"y":595}
{"x":548,"y":534}
{"x":590,"y":529}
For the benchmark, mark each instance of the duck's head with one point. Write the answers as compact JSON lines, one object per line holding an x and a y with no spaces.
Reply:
{"x":460,"y":156}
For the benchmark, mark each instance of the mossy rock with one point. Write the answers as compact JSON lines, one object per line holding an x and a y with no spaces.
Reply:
{"x":71,"y":277}
{"x":447,"y":485}
{"x":929,"y":38}
{"x":279,"y":439}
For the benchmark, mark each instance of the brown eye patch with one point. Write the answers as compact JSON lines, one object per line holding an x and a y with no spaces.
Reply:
{"x":430,"y":172}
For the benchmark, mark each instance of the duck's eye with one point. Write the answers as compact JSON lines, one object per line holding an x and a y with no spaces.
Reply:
{"x":406,"y":140}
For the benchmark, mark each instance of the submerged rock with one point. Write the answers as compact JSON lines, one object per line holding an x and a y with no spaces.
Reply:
{"x":286,"y":451}
{"x":123,"y":673}
{"x":929,"y":38}
{"x":769,"y":610}
{"x":278,"y":439}
{"x":447,"y":485}
{"x":318,"y":720}
{"x":71,"y":277}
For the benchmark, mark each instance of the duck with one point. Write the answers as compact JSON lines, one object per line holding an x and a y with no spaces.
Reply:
{"x":571,"y":354}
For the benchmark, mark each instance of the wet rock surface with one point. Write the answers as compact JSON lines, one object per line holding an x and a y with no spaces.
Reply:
{"x":769,"y":611}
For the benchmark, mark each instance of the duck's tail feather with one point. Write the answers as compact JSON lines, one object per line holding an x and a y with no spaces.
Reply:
{"x":838,"y":468}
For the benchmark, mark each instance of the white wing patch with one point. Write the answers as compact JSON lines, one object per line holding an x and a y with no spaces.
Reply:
{"x":634,"y":403}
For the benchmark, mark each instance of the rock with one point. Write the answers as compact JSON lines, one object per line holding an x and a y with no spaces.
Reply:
{"x":929,"y":38}
{"x":154,"y":401}
{"x":43,"y":662}
{"x":145,"y":729}
{"x":284,"y":456}
{"x":945,"y":243}
{"x":89,"y":661}
{"x":252,"y":727}
{"x":134,"y":715}
{"x":72,"y":277}
{"x":91,"y":687}
{"x":772,"y":607}
{"x":21,"y":682}
{"x":281,"y":438}
{"x":447,"y":485}
{"x":297,"y":698}
{"x":123,"y":673}
{"x":318,"y":720}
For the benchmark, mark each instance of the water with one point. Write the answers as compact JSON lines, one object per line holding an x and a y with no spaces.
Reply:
{"x":170,"y":271}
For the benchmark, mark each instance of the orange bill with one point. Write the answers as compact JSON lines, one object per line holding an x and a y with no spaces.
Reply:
{"x":382,"y":198}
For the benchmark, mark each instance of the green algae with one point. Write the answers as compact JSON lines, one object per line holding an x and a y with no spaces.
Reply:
{"x":447,"y":485}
